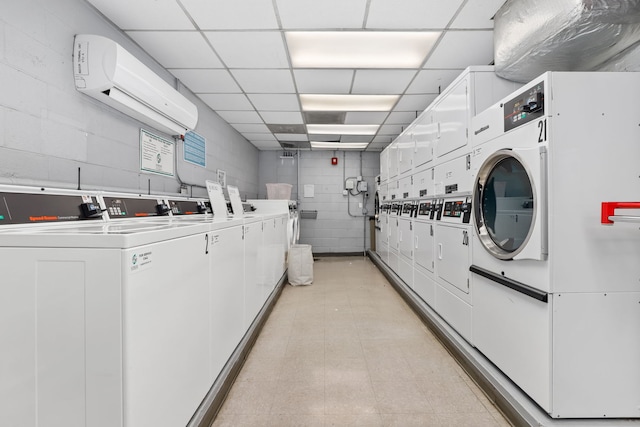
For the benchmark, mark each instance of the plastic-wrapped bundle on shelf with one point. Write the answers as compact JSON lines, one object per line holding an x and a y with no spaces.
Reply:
{"x":535,"y":36}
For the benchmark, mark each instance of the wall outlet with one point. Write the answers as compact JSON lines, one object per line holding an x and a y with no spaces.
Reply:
{"x":345,"y":192}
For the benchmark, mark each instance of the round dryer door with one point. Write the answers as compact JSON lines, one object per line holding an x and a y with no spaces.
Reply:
{"x":504,"y":200}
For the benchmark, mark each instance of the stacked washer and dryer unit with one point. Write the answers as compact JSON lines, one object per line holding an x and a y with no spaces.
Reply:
{"x":122,"y":310}
{"x":556,"y":293}
{"x":537,"y":284}
{"x":425,"y":228}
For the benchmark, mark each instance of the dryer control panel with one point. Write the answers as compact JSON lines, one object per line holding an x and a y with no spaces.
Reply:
{"x":454,"y":210}
{"x":525,"y":107}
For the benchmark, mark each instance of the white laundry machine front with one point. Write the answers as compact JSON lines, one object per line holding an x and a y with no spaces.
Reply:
{"x":424,"y":251}
{"x":555,"y":292}
{"x":101,"y":327}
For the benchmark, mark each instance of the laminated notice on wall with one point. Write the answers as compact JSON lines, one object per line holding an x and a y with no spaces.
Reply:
{"x":157,"y":154}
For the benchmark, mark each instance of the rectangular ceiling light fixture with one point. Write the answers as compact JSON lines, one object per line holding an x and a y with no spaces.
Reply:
{"x":321,"y":102}
{"x":342,"y":129}
{"x":360,"y":49}
{"x":339,"y":145}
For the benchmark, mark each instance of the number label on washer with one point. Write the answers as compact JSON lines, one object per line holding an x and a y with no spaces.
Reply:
{"x":542,"y":126}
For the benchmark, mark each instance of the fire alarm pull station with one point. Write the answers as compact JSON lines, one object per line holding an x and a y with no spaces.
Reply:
{"x":334,"y":161}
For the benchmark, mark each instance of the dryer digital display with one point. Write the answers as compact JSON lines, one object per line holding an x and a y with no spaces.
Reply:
{"x":525,"y":107}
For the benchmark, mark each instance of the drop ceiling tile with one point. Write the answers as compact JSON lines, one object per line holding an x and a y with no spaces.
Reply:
{"x":477,"y":14}
{"x":432,"y":81}
{"x":275,"y":102}
{"x":382,"y":139}
{"x":323,"y":81}
{"x":267,"y":145}
{"x":459,"y":49}
{"x":264,"y":81}
{"x":377,"y":146}
{"x":207,"y":81}
{"x":250,"y":49}
{"x":144,"y":14}
{"x":365,"y":118}
{"x":177,"y":49}
{"x":383,"y":82}
{"x":390,"y":130}
{"x":335,"y":14}
{"x":240,"y":116}
{"x":282,"y":117}
{"x":232,"y":14}
{"x":251,"y":127}
{"x":401,"y":118}
{"x":292,"y":136}
{"x":259,"y":136}
{"x":414,"y":102}
{"x":356,"y":138}
{"x":226,"y":101}
{"x":411,"y":14}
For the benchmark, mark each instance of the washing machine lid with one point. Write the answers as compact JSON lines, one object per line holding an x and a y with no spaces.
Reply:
{"x":510,"y":204}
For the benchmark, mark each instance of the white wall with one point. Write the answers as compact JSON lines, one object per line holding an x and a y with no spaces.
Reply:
{"x":334,"y":230}
{"x":48,"y":129}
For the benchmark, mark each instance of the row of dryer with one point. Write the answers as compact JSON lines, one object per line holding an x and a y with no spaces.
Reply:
{"x":125,"y":317}
{"x":520,"y":265}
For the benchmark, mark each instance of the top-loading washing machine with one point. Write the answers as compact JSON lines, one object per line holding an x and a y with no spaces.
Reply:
{"x":100,"y":325}
{"x":555,"y":292}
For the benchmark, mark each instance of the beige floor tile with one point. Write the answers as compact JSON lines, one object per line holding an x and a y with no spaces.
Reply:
{"x":299,"y":398}
{"x":411,"y":420}
{"x":298,"y":348}
{"x":353,"y":420}
{"x":350,"y":397}
{"x":301,"y":369}
{"x":342,"y":346}
{"x":255,"y":397}
{"x":400,"y":397}
{"x":466,"y":420}
{"x":346,"y":371}
{"x":260,"y":369}
{"x":266,"y":347}
{"x":293,"y":420}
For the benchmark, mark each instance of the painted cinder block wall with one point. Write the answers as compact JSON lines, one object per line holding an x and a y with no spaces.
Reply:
{"x":48,"y":129}
{"x":334,"y":230}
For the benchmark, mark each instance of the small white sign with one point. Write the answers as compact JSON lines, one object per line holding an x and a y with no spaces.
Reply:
{"x":216,"y":197}
{"x":236,"y":202}
{"x":309,"y":190}
{"x":157,"y":154}
{"x":140,"y":260}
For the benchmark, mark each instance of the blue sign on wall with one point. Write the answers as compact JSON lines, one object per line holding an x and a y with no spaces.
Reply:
{"x":195,"y":149}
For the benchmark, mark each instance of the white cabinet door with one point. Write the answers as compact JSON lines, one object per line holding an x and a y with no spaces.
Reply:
{"x":453,"y":255}
{"x":424,"y":245}
{"x":253,"y":271}
{"x":166,"y":352}
{"x":405,"y":152}
{"x":425,"y":134}
{"x":452,"y":114}
{"x":226,"y":294}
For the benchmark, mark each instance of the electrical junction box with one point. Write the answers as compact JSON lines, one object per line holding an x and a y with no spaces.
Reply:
{"x":350,"y":184}
{"x":362,"y":186}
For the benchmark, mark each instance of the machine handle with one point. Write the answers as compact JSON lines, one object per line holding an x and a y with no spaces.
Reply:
{"x":608,"y":209}
{"x":439,"y":250}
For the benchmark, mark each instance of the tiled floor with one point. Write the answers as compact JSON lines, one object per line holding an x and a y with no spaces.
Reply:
{"x":347,"y":351}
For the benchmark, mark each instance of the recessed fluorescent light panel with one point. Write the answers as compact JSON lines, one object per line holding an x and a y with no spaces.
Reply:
{"x":322,"y":102}
{"x":360,"y":49}
{"x":339,"y":145}
{"x":342,"y":129}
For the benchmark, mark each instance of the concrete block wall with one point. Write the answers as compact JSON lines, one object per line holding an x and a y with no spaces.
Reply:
{"x":48,"y":129}
{"x":334,"y":230}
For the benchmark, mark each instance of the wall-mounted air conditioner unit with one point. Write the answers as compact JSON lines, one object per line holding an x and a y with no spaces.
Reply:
{"x":105,"y":71}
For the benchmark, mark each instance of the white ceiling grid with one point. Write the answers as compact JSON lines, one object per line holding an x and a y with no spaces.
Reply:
{"x":235,"y":56}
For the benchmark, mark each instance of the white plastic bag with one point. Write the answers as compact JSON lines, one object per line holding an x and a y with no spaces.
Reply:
{"x":300,"y":265}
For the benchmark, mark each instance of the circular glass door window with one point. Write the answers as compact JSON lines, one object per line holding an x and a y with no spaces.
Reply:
{"x":504,"y":205}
